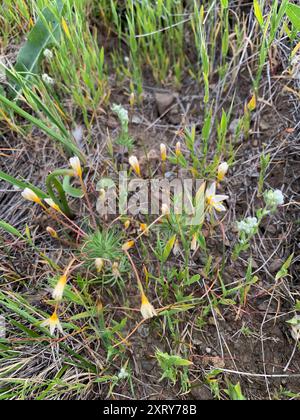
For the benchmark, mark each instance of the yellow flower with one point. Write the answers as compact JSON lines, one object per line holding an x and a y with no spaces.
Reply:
{"x":30,"y":195}
{"x":53,"y":323}
{"x":128,"y":245}
{"x":134,"y":163}
{"x":178,"y":149}
{"x":147,"y":310}
{"x":194,"y":242}
{"x":52,"y":232}
{"x":127,"y":224}
{"x":51,"y":204}
{"x":76,"y":166}
{"x":99,"y":263}
{"x":213,"y":200}
{"x":222,"y":171}
{"x":163,"y":152}
{"x":144,"y":229}
{"x":59,"y":288}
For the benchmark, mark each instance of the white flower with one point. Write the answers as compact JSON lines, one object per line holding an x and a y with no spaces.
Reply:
{"x":47,"y":79}
{"x":30,"y":195}
{"x":123,"y":374}
{"x":76,"y":166}
{"x":178,"y":149}
{"x":248,"y":225}
{"x":99,"y":264}
{"x":194,"y":243}
{"x":273,"y":199}
{"x":53,"y":323}
{"x":48,"y":54}
{"x":134,"y":163}
{"x":59,"y":288}
{"x":163,"y":152}
{"x":51,"y":204}
{"x":213,"y":200}
{"x":147,"y":310}
{"x":222,"y":171}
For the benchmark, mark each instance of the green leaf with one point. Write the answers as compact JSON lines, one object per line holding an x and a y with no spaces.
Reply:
{"x":293,"y":13}
{"x":22,"y":184}
{"x":168,"y":248}
{"x":10,"y":229}
{"x":283,"y":272}
{"x":46,"y":32}
{"x":258,"y":12}
{"x":69,"y":145}
{"x":73,"y":192}
{"x":235,"y":392}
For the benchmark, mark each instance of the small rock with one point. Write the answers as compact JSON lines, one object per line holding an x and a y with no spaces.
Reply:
{"x":136,"y":119}
{"x":200,"y":392}
{"x":275,"y":266}
{"x":208,"y":350}
{"x":164,"y":101}
{"x":147,"y":366}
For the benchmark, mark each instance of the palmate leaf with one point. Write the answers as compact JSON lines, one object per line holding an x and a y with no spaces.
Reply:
{"x":46,"y":32}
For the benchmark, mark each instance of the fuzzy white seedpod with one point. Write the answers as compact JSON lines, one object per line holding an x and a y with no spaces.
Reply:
{"x":47,"y":79}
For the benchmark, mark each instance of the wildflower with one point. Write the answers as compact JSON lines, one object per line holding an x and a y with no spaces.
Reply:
{"x":273,"y":199}
{"x":30,"y":195}
{"x":122,"y":114}
{"x":123,"y":374}
{"x":251,"y":106}
{"x":134,"y":163}
{"x":194,"y":242}
{"x":115,"y":270}
{"x":147,"y":310}
{"x":128,"y":245}
{"x":213,"y":200}
{"x":53,"y":323}
{"x":59,"y":288}
{"x":132,"y":99}
{"x":76,"y":166}
{"x":99,"y":263}
{"x":144,"y":229}
{"x":51,"y":204}
{"x":48,"y":80}
{"x":48,"y":54}
{"x":248,"y":226}
{"x":52,"y":232}
{"x":163,"y":152}
{"x":165,"y":209}
{"x":127,"y":224}
{"x":178,"y":149}
{"x":222,"y":171}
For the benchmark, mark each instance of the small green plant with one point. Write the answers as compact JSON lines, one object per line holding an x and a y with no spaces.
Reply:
{"x":235,"y":392}
{"x":171,"y":365}
{"x":124,"y":139}
{"x":248,"y":227}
